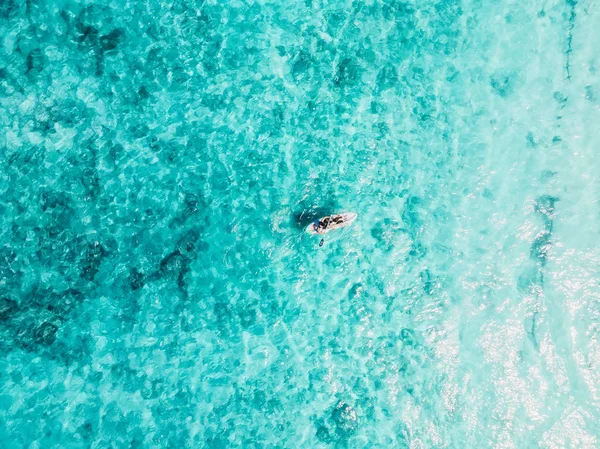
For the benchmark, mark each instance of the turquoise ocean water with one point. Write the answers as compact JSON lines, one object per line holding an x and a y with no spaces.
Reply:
{"x":159,"y":159}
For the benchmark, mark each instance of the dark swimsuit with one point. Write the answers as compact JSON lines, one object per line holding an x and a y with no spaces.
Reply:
{"x":317,"y":224}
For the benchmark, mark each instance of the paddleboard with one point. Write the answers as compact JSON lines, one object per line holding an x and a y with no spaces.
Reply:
{"x":335,"y":221}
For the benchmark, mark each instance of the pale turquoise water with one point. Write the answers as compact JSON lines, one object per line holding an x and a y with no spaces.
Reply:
{"x":158,"y":162}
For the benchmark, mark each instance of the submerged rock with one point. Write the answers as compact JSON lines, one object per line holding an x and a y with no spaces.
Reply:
{"x":345,"y":418}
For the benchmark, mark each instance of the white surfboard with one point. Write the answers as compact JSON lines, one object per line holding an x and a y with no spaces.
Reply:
{"x":335,"y":221}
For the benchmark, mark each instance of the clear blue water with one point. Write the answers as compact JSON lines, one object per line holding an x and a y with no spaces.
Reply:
{"x":160,"y":159}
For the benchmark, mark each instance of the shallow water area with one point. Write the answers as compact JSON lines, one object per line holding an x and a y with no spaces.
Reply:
{"x":159,"y":165}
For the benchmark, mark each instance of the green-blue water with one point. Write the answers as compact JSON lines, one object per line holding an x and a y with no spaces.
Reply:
{"x":159,"y":160}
